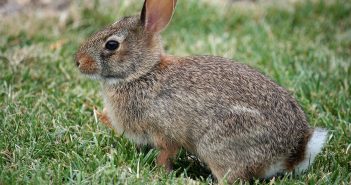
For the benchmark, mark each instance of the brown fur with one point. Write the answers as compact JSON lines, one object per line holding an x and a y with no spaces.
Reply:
{"x":165,"y":61}
{"x":168,"y":150}
{"x":103,"y":117}
{"x":232,"y":117}
{"x":86,"y":64}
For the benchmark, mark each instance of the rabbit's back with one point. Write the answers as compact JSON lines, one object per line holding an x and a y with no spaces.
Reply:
{"x":216,"y":88}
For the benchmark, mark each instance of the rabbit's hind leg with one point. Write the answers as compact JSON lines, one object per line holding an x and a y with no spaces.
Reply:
{"x":234,"y":171}
{"x":225,"y":174}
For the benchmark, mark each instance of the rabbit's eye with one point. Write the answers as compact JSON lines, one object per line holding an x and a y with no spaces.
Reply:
{"x":111,"y":45}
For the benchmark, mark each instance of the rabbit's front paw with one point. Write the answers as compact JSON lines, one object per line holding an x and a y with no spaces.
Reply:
{"x":103,"y":117}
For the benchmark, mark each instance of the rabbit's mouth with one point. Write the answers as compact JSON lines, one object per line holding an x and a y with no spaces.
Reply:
{"x":110,"y":79}
{"x":112,"y":76}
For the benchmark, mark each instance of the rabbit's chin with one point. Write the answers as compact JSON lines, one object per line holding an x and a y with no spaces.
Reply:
{"x":112,"y":81}
{"x":93,"y":76}
{"x":109,"y":81}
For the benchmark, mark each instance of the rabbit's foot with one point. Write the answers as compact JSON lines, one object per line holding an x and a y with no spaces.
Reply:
{"x":103,"y":117}
{"x":168,"y":150}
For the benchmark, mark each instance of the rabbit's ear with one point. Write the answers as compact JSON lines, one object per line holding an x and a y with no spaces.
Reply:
{"x":156,"y":14}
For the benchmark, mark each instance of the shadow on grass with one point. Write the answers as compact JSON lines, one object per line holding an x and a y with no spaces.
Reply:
{"x":186,"y":164}
{"x":192,"y":167}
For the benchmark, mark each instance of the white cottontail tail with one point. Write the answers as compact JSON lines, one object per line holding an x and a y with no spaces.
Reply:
{"x":236,"y":120}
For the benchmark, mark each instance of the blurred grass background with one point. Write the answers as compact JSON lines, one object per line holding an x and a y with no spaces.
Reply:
{"x":48,"y":134}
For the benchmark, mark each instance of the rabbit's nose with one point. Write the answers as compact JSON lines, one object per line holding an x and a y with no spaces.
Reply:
{"x":78,"y":62}
{"x":82,"y":59}
{"x":86,"y":63}
{"x":78,"y":59}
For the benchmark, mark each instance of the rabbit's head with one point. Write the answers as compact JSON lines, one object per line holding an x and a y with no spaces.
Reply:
{"x":128,"y":48}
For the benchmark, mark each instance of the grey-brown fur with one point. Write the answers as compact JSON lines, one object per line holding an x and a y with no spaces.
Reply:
{"x":232,"y":117}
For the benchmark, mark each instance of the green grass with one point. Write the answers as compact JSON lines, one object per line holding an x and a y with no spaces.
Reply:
{"x":48,"y":133}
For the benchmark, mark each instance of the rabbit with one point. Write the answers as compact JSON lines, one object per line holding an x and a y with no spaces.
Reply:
{"x":239,"y":122}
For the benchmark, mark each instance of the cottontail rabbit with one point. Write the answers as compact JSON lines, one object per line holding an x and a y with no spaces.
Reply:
{"x":233,"y":118}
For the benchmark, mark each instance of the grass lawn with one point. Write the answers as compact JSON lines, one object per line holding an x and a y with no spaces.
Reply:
{"x":48,"y":133}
